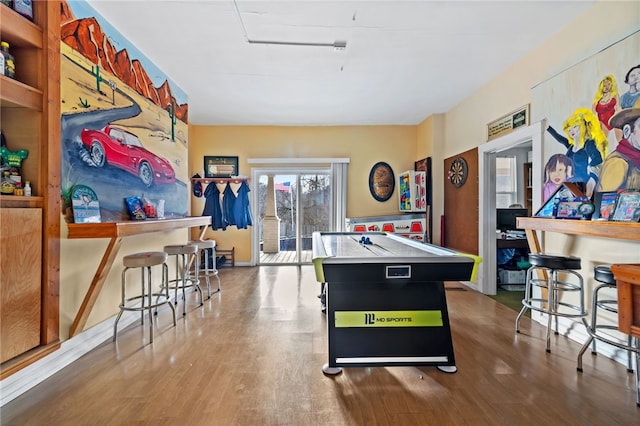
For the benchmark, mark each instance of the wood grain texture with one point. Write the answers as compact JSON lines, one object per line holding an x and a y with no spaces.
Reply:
{"x":619,"y":230}
{"x":252,"y":355}
{"x":461,"y":206}
{"x":628,"y":285}
{"x":133,"y":227}
{"x":20,"y":280}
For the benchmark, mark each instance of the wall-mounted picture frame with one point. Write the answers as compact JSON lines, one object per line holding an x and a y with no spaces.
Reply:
{"x":627,"y":208}
{"x":604,"y":203}
{"x":219,"y":166}
{"x":382,"y":181}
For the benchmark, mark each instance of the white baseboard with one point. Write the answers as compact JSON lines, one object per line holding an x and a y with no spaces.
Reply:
{"x":70,"y":350}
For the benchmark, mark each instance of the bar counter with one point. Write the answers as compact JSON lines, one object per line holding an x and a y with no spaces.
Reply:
{"x":115,"y":231}
{"x":589,"y":228}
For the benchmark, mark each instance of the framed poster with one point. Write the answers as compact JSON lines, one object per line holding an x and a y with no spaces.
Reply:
{"x":627,"y":208}
{"x":604,"y":203}
{"x":220,"y":166}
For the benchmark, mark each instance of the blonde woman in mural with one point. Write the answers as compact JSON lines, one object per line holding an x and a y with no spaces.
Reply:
{"x":586,"y":144}
{"x":606,"y":103}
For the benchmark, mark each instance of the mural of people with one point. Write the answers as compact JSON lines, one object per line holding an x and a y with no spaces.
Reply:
{"x":586,"y":144}
{"x":558,"y":170}
{"x":621,"y":169}
{"x":606,"y":102}
{"x":631,"y":98}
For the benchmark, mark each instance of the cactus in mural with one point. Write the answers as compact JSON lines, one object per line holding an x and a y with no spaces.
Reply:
{"x":95,"y":71}
{"x":171,"y":109}
{"x":84,"y":103}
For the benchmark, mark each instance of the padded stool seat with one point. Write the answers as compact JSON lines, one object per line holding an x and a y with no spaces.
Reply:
{"x":556,"y":274}
{"x":208,"y":268}
{"x":184,"y":254}
{"x":554,"y":261}
{"x":144,"y":261}
{"x":603,"y":275}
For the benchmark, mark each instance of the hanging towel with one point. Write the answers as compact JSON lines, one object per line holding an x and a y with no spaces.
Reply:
{"x":212,"y":207}
{"x":241,"y":208}
{"x":228,"y":201}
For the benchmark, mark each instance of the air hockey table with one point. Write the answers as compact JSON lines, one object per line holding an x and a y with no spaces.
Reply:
{"x":386,"y":301}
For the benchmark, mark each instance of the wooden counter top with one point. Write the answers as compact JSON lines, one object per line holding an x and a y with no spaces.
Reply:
{"x":133,"y":227}
{"x":591,"y":228}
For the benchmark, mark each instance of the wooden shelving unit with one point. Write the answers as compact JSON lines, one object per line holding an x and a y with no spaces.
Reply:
{"x":30,"y":119}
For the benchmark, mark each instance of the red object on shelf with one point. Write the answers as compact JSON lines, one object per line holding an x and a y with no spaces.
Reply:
{"x":416,"y":227}
{"x":359,"y":228}
{"x":388,"y":227}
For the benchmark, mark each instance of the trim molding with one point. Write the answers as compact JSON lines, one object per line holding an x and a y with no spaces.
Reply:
{"x":289,"y":160}
{"x":70,"y":350}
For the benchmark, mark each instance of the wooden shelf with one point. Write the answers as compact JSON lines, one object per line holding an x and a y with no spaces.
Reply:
{"x":14,"y":94}
{"x":18,"y":201}
{"x":233,"y":179}
{"x":19,"y":31}
{"x":591,"y":228}
{"x":133,"y":227}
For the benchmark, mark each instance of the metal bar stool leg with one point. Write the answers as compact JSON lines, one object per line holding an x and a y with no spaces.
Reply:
{"x":144,"y":301}
{"x":149,"y":296}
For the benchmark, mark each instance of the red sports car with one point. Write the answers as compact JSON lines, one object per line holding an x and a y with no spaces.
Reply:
{"x":124,"y":150}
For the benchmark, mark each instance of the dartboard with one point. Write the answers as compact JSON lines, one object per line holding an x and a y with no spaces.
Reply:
{"x":458,"y":172}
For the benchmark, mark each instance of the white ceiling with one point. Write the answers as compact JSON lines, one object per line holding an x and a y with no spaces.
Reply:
{"x":404,"y":60}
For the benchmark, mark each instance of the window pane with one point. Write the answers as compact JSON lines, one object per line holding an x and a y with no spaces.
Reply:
{"x":506,"y":192}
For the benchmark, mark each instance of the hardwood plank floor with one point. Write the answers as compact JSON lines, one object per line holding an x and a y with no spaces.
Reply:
{"x":253,"y":356}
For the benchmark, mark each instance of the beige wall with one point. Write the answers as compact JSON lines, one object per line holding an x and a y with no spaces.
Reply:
{"x":440,"y":136}
{"x":363,"y":145}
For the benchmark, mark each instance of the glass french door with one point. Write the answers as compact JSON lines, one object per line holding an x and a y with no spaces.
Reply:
{"x":302,"y":203}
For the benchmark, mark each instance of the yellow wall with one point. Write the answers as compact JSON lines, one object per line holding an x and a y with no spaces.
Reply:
{"x":363,"y":145}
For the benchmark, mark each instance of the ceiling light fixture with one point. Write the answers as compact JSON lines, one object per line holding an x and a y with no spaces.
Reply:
{"x":338,"y":45}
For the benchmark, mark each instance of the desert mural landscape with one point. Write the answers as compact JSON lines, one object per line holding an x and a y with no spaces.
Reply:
{"x":102,"y":86}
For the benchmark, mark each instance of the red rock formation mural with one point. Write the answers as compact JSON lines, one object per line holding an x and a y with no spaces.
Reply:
{"x":86,"y":37}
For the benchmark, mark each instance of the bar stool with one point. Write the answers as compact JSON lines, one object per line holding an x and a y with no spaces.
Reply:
{"x":603,"y":275}
{"x":551,"y":266}
{"x":184,"y":255}
{"x":208,"y":267}
{"x":144,"y":261}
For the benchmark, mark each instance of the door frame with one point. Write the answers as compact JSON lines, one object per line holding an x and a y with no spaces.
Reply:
{"x":487,"y":273}
{"x":297,"y":171}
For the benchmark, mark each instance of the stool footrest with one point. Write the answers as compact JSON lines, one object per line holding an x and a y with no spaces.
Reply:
{"x":161,"y":299}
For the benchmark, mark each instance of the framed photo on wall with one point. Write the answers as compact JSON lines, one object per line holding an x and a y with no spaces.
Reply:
{"x":627,"y":208}
{"x":220,"y":166}
{"x":604,"y":203}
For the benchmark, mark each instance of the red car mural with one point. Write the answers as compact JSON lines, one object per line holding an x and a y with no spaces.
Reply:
{"x":123,"y":149}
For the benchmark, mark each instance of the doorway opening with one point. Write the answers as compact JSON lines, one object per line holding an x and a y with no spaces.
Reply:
{"x":290,"y":203}
{"x":530,"y":136}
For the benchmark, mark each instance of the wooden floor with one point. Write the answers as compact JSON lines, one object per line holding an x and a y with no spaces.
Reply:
{"x":253,"y":356}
